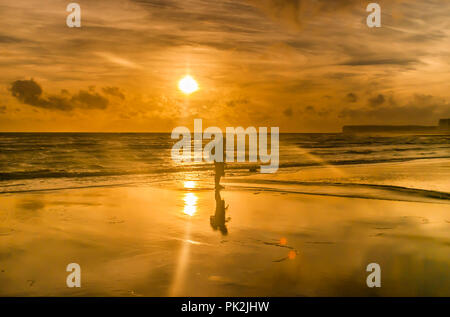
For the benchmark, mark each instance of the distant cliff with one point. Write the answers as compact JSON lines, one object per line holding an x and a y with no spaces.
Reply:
{"x":389,"y":129}
{"x":444,"y":125}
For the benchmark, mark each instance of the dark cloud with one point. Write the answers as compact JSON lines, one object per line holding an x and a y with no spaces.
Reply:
{"x":351,"y":97}
{"x":30,"y":93}
{"x":340,"y":75}
{"x":89,"y":100}
{"x":56,"y":102}
{"x":294,"y":12}
{"x":2,"y":109}
{"x":5,"y":39}
{"x":159,"y":4}
{"x":114,"y":91}
{"x":422,"y":109}
{"x":288,"y":112}
{"x":27,"y":91}
{"x":426,"y":37}
{"x":237,"y":102}
{"x":300,"y":85}
{"x":313,"y":111}
{"x":377,"y":100}
{"x":381,"y":61}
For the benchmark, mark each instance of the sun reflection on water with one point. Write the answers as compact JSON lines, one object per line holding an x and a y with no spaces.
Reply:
{"x":189,"y":184}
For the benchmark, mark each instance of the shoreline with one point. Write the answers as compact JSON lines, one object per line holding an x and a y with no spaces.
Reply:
{"x":158,"y":241}
{"x":412,"y":174}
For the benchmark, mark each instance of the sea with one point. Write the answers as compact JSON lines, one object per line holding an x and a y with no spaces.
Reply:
{"x":43,"y":161}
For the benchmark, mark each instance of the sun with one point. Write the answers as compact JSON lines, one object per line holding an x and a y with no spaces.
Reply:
{"x":188,"y":85}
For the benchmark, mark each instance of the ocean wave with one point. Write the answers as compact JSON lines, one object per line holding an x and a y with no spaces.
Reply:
{"x":313,"y":188}
{"x":49,"y":173}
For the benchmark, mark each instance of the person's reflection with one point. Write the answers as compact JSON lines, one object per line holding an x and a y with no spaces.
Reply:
{"x":218,"y":221}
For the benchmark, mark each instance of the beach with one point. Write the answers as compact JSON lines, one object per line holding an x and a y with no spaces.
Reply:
{"x":213,"y":156}
{"x":287,"y":234}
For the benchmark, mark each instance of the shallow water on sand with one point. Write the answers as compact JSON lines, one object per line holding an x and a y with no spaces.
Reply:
{"x":170,"y":241}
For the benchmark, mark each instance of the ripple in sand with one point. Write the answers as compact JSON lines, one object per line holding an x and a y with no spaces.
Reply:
{"x":319,"y":242}
{"x":6,"y":231}
{"x":114,"y":220}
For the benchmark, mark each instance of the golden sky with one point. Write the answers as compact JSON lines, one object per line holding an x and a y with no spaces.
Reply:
{"x":301,"y":65}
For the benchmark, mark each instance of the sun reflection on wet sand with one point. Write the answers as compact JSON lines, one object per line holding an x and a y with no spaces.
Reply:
{"x":190,"y":208}
{"x":190,"y":204}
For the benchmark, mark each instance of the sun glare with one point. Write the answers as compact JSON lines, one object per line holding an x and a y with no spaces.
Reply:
{"x":189,"y":184}
{"x":190,"y":204}
{"x":188,"y":85}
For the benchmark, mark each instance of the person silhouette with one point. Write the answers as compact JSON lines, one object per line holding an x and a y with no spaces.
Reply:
{"x":219,"y":168}
{"x":218,"y":221}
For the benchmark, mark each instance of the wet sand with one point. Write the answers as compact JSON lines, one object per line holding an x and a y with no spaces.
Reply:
{"x":162,"y":241}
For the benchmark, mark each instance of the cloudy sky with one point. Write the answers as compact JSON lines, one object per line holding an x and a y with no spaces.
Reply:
{"x":302,"y":65}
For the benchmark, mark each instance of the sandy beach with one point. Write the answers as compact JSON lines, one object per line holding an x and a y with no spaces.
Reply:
{"x":272,"y":240}
{"x":236,"y":148}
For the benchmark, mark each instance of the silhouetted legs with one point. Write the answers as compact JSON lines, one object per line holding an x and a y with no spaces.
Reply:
{"x":218,"y":221}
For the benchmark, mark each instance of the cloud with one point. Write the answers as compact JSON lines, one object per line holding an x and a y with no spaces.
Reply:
{"x":114,"y":91}
{"x":288,"y":112}
{"x":377,"y":100}
{"x":27,"y":91}
{"x":5,"y":39}
{"x":233,"y":48}
{"x":380,"y":61}
{"x":237,"y":102}
{"x":2,"y":109}
{"x":421,"y":109}
{"x":30,"y":93}
{"x":351,"y":97}
{"x":85,"y":99}
{"x":293,"y":13}
{"x":118,"y":60}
